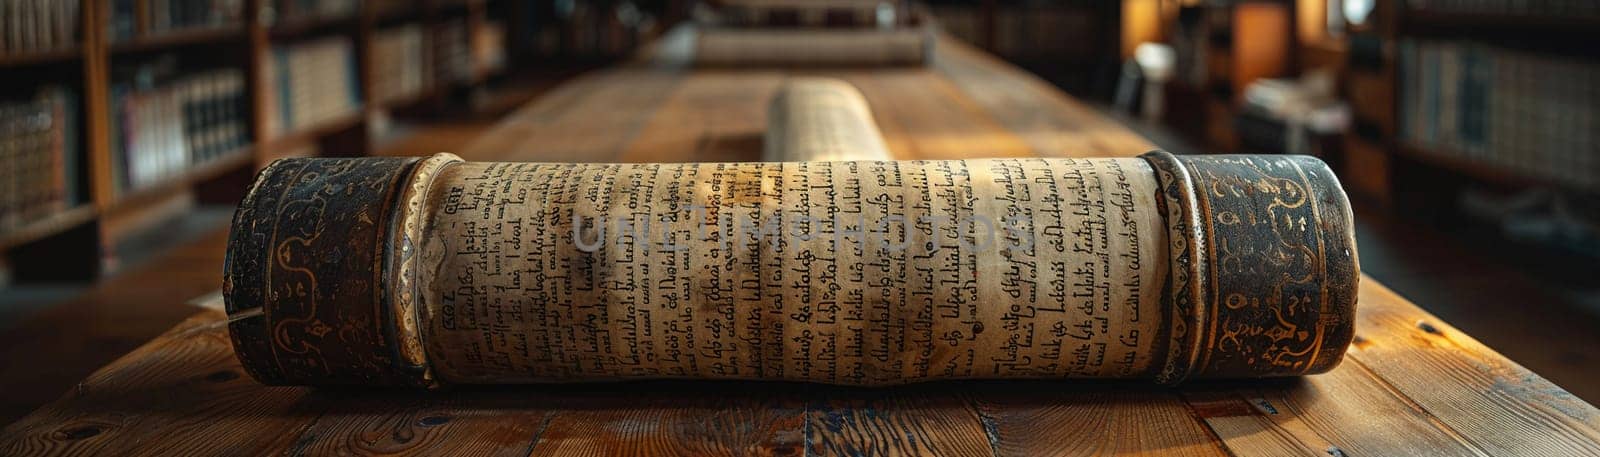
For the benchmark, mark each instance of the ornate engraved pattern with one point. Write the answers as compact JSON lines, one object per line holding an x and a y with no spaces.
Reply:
{"x":1282,"y":267}
{"x":409,"y":224}
{"x":305,"y":261}
{"x":1186,"y":242}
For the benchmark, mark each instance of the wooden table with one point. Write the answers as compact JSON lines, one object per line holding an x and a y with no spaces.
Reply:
{"x":1411,"y":384}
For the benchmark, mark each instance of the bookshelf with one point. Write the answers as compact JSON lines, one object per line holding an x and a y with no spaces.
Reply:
{"x":116,"y":38}
{"x":49,"y":225}
{"x":1391,"y":155}
{"x":167,"y":40}
{"x":1221,"y":48}
{"x":40,"y":57}
{"x":1516,"y":132}
{"x":1073,"y":44}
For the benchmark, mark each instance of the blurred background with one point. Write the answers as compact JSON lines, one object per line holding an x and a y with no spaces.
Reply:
{"x":1465,"y":130}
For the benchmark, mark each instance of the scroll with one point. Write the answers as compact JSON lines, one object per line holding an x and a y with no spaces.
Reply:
{"x":436,"y":271}
{"x":815,"y":119}
{"x":814,"y":13}
{"x":736,"y":47}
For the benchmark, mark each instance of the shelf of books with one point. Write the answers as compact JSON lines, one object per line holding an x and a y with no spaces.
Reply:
{"x":288,"y":19}
{"x":311,"y":84}
{"x":116,"y":109}
{"x":1478,"y":106}
{"x":1492,"y":93}
{"x":1528,"y":16}
{"x":25,"y":58}
{"x":168,"y":39}
{"x":39,"y":163}
{"x":38,"y":32}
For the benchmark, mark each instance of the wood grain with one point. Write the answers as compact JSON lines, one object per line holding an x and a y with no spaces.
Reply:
{"x":579,"y":122}
{"x":933,"y":419}
{"x":1313,"y":412}
{"x":1492,"y":402}
{"x":1081,"y":418}
{"x":710,"y":116}
{"x":79,"y":337}
{"x":924,"y":117}
{"x":675,"y":418}
{"x":176,"y":395}
{"x":1053,"y":124}
{"x":454,"y":423}
{"x":1411,"y":385}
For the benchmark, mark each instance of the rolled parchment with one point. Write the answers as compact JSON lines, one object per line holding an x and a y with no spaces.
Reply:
{"x":814,"y":13}
{"x":821,"y":119}
{"x":421,"y":272}
{"x":749,"y":47}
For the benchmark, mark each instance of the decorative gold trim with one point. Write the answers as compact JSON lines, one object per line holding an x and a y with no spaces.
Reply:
{"x":410,"y":221}
{"x":1186,"y":251}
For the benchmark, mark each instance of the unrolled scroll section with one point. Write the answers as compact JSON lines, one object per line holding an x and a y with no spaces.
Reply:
{"x":799,"y":48}
{"x":821,"y":119}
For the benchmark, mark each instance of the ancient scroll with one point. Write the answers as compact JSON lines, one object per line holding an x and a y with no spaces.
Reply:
{"x":390,"y":271}
{"x":736,"y":47}
{"x":821,"y":119}
{"x":815,"y":13}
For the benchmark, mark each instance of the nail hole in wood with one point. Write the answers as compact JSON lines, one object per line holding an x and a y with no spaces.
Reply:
{"x":1426,"y":327}
{"x":1359,"y":342}
{"x":1266,"y":406}
{"x":78,"y":433}
{"x":431,"y":421}
{"x":222,"y":376}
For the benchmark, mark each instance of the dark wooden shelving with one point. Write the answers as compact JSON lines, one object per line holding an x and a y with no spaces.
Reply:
{"x":46,"y":226}
{"x":424,"y":11}
{"x":409,"y":99}
{"x":295,"y":28}
{"x":1455,"y":162}
{"x":213,"y":168}
{"x":64,"y":55}
{"x":188,"y":37}
{"x":255,"y":39}
{"x":452,"y":5}
{"x":1482,"y":22}
{"x":398,"y":14}
{"x":1566,"y":36}
{"x":305,"y":135}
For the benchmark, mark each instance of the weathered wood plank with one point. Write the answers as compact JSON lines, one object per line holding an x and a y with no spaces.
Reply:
{"x":674,"y":418}
{"x":1412,"y":384}
{"x":1405,"y":397}
{"x":1493,"y":403}
{"x":462,"y":422}
{"x":711,"y":116}
{"x":181,"y":394}
{"x":923,"y":117}
{"x":1053,"y":124}
{"x":122,"y":313}
{"x":590,"y":120}
{"x":1315,"y":413}
{"x":929,"y":419}
{"x":1243,"y":429}
{"x":1083,"y":418}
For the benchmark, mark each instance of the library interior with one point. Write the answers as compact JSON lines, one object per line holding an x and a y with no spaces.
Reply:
{"x":794,"y":227}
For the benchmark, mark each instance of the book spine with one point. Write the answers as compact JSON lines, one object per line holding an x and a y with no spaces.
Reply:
{"x":8,"y":167}
{"x":166,"y":16}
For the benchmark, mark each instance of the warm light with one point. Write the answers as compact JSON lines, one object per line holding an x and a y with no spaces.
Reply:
{"x":1141,"y":23}
{"x":1356,"y":11}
